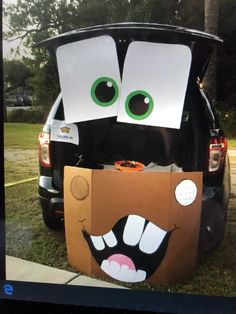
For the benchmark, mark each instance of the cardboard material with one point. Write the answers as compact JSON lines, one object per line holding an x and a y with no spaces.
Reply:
{"x":129,"y":226}
{"x":152,"y":92}
{"x":89,"y":78}
{"x":154,"y":84}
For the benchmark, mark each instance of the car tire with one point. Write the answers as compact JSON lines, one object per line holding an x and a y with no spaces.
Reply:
{"x":212,"y":227}
{"x":51,"y":221}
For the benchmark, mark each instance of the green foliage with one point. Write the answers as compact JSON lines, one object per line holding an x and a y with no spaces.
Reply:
{"x":226,"y":55}
{"x":16,"y":115}
{"x":169,"y":12}
{"x":16,"y":74}
{"x":36,"y":20}
{"x":27,"y":116}
{"x":191,"y":14}
{"x":228,"y":119}
{"x":44,"y":83}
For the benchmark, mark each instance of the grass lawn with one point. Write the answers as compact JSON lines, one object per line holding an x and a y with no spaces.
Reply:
{"x":21,"y":135}
{"x":20,"y":151}
{"x":26,"y":235}
{"x":232,"y":143}
{"x":28,"y":238}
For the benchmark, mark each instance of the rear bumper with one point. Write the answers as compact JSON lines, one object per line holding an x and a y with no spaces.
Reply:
{"x":50,"y":199}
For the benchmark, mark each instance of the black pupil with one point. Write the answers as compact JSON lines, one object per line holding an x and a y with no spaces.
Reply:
{"x":137,"y":105}
{"x":104,"y":92}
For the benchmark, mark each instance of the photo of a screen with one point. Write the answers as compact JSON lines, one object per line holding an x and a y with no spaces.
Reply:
{"x":118,"y":163}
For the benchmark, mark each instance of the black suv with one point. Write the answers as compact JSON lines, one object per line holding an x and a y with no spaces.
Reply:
{"x":199,"y":144}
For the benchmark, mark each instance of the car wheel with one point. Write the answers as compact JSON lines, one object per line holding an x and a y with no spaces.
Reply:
{"x":51,"y":221}
{"x":212,"y":227}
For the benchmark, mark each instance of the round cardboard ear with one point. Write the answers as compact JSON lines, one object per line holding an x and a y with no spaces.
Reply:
{"x":186,"y":192}
{"x":79,"y":188}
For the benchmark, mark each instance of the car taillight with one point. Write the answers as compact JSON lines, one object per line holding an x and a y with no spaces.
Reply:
{"x":217,"y":151}
{"x":44,"y":149}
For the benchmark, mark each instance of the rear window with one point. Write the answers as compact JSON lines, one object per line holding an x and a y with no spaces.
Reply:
{"x":60,"y":112}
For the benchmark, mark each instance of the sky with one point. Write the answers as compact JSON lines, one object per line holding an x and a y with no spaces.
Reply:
{"x":7,"y":46}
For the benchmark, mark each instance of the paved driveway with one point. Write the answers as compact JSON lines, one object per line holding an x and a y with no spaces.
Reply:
{"x":232,"y":158}
{"x":231,"y":217}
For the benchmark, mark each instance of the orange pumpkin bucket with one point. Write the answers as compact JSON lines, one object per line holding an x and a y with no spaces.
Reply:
{"x":128,"y":165}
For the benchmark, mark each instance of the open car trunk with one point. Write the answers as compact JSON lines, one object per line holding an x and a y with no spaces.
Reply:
{"x":104,"y":141}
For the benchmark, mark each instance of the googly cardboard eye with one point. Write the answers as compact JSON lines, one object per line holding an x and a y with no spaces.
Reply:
{"x":139,"y":105}
{"x":89,"y":78}
{"x":104,"y":91}
{"x":154,"y":83}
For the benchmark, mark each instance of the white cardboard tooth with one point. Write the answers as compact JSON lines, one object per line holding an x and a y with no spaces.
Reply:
{"x":141,"y":275}
{"x":133,"y":229}
{"x":122,"y":273}
{"x":114,"y":266}
{"x":98,"y":242}
{"x":151,"y":239}
{"x":105,"y":265}
{"x":110,"y":239}
{"x":124,"y":267}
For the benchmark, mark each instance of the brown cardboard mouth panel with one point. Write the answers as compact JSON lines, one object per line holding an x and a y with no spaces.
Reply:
{"x":139,"y":252}
{"x":132,"y":226}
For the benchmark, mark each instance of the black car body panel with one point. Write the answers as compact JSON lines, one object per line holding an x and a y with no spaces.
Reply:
{"x":104,"y":141}
{"x":201,"y":44}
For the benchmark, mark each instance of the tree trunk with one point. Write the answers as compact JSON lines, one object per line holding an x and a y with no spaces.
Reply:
{"x":211,"y":26}
{"x":4,"y":112}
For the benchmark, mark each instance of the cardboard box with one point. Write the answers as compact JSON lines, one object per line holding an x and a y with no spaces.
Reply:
{"x":131,"y":226}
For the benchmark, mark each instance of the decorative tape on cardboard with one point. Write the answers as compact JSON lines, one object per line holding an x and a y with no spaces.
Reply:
{"x":132,"y":226}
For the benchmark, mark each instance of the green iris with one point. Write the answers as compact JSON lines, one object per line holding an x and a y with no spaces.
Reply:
{"x":104,"y":91}
{"x":139,"y":105}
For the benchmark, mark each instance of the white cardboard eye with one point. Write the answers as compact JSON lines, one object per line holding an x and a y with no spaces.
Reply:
{"x":186,"y":192}
{"x":161,"y":71}
{"x":80,"y":64}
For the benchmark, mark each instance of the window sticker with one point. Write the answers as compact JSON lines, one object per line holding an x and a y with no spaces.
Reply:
{"x":154,"y":83}
{"x":89,"y":78}
{"x":63,"y":132}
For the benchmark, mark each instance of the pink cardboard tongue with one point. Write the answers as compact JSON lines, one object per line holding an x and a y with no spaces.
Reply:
{"x":122,"y":260}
